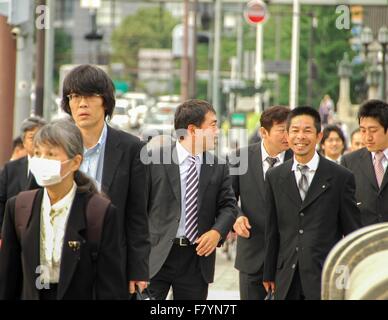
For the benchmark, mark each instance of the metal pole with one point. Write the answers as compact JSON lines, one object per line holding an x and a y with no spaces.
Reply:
{"x":294,"y":77}
{"x":39,"y":70}
{"x":185,"y":59}
{"x":310,"y":63}
{"x":384,"y":85}
{"x":216,"y":57}
{"x":49,"y":106}
{"x":24,"y":70}
{"x":277,"y":53}
{"x":240,"y":42}
{"x":193,"y":78}
{"x":7,"y":89}
{"x":259,"y":66}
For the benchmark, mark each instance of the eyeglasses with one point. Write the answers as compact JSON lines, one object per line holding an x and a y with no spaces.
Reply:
{"x":75,"y":97}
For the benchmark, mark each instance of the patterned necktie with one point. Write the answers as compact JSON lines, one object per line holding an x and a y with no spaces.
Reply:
{"x":379,"y":168}
{"x":192,"y":182}
{"x":303,"y":183}
{"x":55,"y":213}
{"x":271,"y":161}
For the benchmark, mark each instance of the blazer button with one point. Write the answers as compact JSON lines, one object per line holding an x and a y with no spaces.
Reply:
{"x":301,"y":231}
{"x":293,"y":266}
{"x":297,"y":249}
{"x":302,"y":214}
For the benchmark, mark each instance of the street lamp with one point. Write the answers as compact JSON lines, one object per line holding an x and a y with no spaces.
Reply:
{"x":383,"y":40}
{"x":366,"y":39}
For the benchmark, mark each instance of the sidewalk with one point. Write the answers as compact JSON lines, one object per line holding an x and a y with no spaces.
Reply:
{"x":225,"y":285}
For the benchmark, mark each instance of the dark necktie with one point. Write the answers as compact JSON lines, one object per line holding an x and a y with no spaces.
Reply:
{"x":271,"y":161}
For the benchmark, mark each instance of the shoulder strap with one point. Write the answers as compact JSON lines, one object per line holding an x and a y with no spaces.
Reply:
{"x":95,"y":214}
{"x":23,"y":210}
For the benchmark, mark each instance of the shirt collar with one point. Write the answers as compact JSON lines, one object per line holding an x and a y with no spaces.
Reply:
{"x":64,"y":202}
{"x":264,"y":154}
{"x":183,"y":154}
{"x":101,"y":141}
{"x":385,"y":153}
{"x":312,"y":164}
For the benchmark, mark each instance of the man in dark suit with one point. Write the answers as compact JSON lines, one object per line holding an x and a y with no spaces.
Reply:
{"x":369,"y":164}
{"x":15,"y":176}
{"x":249,"y":188}
{"x":191,"y":206}
{"x":311,"y":206}
{"x":112,"y":159}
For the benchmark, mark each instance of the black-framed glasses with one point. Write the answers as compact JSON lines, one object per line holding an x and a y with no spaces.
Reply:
{"x":75,"y":97}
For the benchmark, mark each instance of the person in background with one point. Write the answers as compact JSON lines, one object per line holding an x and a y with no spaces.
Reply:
{"x":51,"y":257}
{"x":18,"y":150}
{"x":333,"y":143}
{"x":16,"y":175}
{"x":356,"y":141}
{"x":326,"y":110}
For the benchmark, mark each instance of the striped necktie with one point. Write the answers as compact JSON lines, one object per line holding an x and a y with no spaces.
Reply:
{"x":303,"y":183}
{"x":192,"y":182}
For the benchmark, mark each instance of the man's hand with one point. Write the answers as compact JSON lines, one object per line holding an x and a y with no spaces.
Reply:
{"x":207,"y":242}
{"x":269,"y":285}
{"x":141,"y":284}
{"x":242,"y":226}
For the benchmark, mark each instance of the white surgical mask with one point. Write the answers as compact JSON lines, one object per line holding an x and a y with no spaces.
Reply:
{"x":47,"y":172}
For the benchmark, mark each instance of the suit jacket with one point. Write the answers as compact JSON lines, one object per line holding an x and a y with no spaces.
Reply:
{"x":216,"y":207}
{"x":13,"y":179}
{"x":78,"y":273}
{"x":250,"y":189}
{"x":303,"y":233}
{"x":124,"y":181}
{"x":372,"y":200}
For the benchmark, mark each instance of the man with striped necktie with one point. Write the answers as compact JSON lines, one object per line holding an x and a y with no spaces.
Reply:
{"x":191,"y":206}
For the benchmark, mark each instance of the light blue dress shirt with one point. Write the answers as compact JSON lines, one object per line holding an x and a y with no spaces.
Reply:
{"x":93,"y":162}
{"x":184,"y":165}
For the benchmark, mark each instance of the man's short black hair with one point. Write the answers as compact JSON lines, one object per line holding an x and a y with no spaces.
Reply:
{"x":191,"y":112}
{"x":308,"y":111}
{"x":273,"y":115}
{"x":17,"y":142}
{"x":88,"y":80}
{"x":330,"y":128}
{"x":376,"y":109}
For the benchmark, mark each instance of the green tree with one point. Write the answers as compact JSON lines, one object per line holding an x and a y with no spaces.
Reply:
{"x":62,"y":52}
{"x":147,"y":28}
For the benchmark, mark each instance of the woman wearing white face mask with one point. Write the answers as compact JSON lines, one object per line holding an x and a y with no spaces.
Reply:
{"x":61,"y":241}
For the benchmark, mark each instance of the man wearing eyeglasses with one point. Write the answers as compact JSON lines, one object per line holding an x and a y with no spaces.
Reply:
{"x":112,"y":159}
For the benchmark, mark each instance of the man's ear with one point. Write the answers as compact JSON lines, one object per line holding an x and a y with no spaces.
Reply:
{"x":263,"y":132}
{"x":319,"y":137}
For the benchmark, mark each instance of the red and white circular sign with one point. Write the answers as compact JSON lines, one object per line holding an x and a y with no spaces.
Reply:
{"x":256,"y":12}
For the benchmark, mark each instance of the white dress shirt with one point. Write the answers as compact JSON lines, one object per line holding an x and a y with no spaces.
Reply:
{"x":184,"y":165}
{"x":264,"y":155}
{"x":384,"y":161}
{"x":52,"y":234}
{"x":312,"y":165}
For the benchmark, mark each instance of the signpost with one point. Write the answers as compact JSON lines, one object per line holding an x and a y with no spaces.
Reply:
{"x":256,"y":14}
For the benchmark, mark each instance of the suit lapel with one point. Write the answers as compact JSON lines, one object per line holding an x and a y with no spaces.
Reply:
{"x":31,"y":243}
{"x":288,"y":183}
{"x":319,"y":184}
{"x":70,"y":257}
{"x":207,"y":169}
{"x":366,"y":166}
{"x":112,"y":157}
{"x":173,"y":175}
{"x":256,"y":165}
{"x":22,"y":169}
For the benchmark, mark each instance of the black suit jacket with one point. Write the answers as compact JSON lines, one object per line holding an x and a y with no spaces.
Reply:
{"x":303,"y":233}
{"x":78,"y":274}
{"x":13,"y":179}
{"x":372,"y":200}
{"x":249,"y":188}
{"x":216,"y":207}
{"x":124,"y":181}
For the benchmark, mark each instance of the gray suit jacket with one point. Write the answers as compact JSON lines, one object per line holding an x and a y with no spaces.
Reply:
{"x":216,"y":207}
{"x":371,"y":200}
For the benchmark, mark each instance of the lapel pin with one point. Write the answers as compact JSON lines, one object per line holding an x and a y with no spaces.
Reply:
{"x":74,"y":245}
{"x":323,"y":186}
